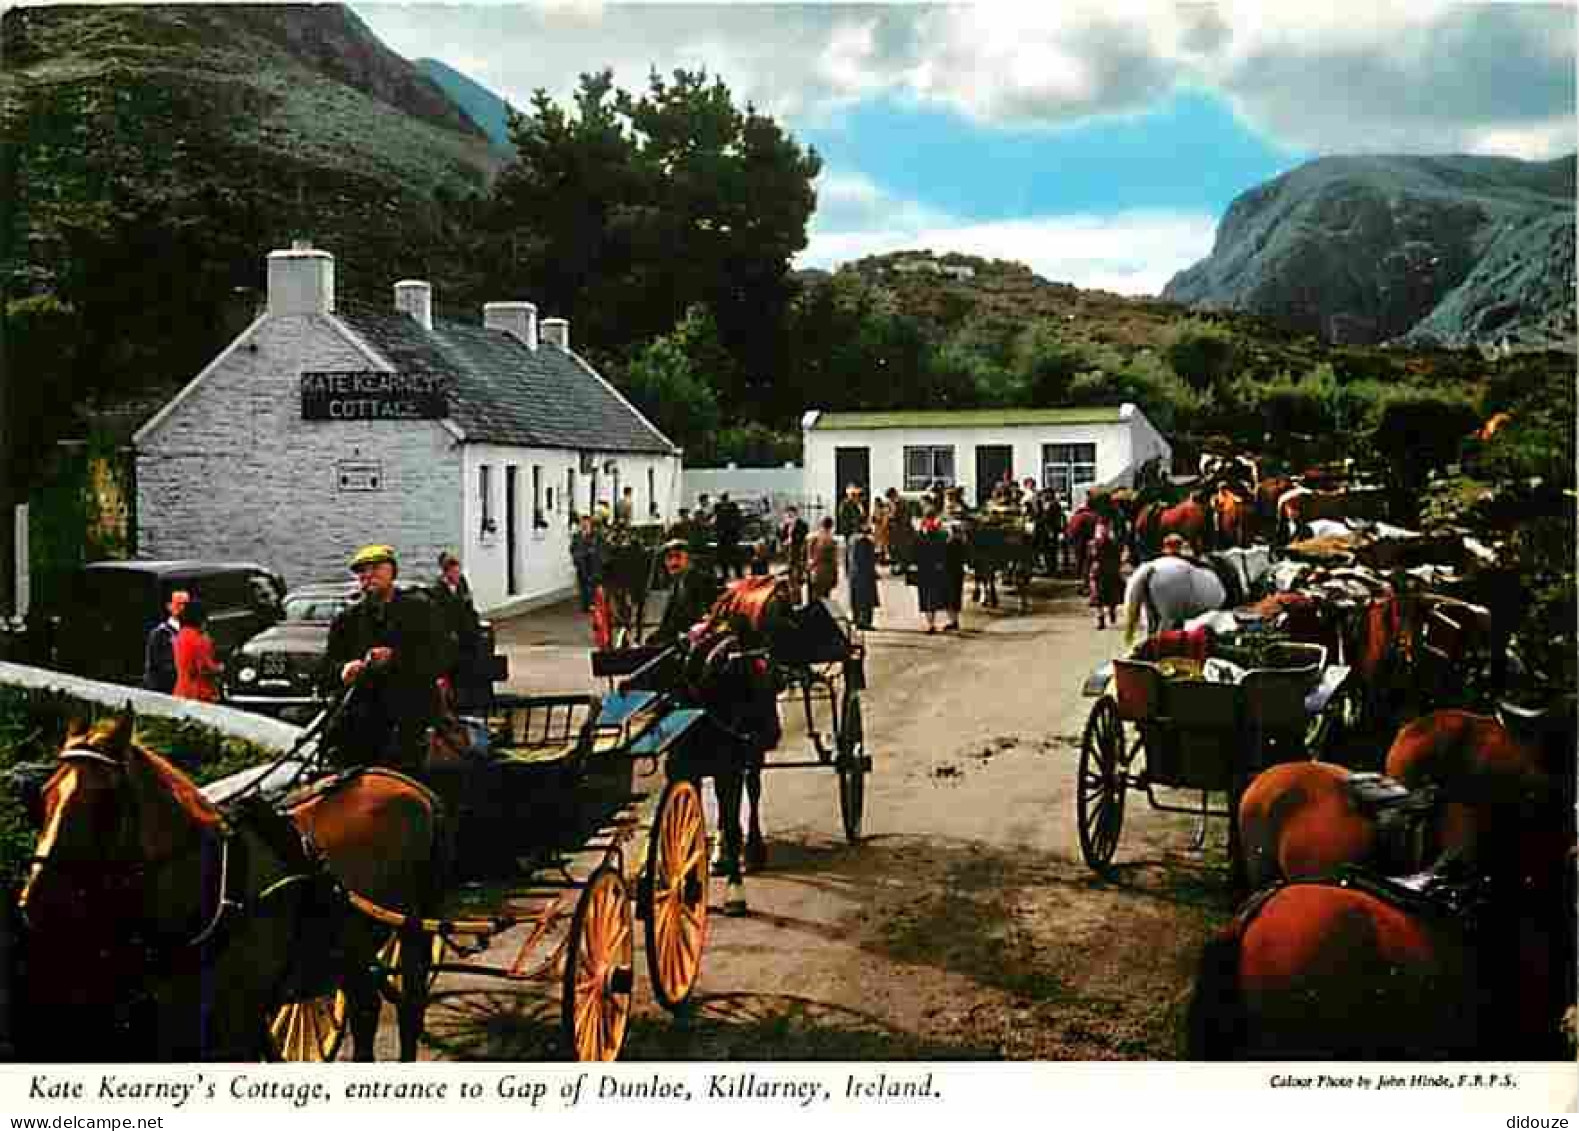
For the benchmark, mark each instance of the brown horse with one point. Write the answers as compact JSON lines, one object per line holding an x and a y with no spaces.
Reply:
{"x":1235,"y":516}
{"x":1369,"y":969}
{"x":1359,"y":969}
{"x":180,"y":929}
{"x":1268,"y":492}
{"x":1300,"y":819}
{"x":1304,"y":819}
{"x":1191,"y":519}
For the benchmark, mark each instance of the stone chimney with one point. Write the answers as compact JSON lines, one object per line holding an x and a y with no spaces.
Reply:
{"x":414,"y":297}
{"x":301,"y":280}
{"x":556,"y":332}
{"x":518,"y":318}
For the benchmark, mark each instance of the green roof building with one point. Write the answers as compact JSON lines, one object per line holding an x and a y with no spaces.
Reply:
{"x":1068,"y":449}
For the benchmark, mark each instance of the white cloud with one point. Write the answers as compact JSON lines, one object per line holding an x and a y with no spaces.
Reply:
{"x":1128,"y":252}
{"x":1344,"y":77}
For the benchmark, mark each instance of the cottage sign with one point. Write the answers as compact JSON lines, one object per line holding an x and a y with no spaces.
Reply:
{"x":373,"y":395}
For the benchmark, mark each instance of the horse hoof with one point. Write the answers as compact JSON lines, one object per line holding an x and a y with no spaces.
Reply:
{"x":735,"y":900}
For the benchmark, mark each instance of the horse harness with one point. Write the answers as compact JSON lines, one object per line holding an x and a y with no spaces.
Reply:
{"x":225,"y":906}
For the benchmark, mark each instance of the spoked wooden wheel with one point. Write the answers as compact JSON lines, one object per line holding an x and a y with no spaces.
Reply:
{"x":675,"y":894}
{"x":596,"y":999}
{"x":852,"y":766}
{"x":310,"y":1031}
{"x":1102,"y":784}
{"x":389,"y":958}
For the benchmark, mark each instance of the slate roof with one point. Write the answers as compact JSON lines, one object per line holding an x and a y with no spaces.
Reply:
{"x":506,"y":393}
{"x":968,"y":418}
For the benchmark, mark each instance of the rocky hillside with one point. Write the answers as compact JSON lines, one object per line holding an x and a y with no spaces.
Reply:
{"x":262,"y":122}
{"x":1011,"y":294}
{"x":1423,"y":251}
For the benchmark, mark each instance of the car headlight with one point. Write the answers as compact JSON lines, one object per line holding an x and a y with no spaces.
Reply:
{"x":247,"y":675}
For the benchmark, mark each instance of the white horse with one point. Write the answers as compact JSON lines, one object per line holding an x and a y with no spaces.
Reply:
{"x":1170,"y":590}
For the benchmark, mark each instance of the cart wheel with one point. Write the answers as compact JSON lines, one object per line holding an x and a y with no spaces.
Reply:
{"x":393,"y":983}
{"x":676,"y":893}
{"x":852,"y":765}
{"x":1100,"y":796}
{"x":596,"y":996}
{"x":1238,"y":874}
{"x":310,"y":1031}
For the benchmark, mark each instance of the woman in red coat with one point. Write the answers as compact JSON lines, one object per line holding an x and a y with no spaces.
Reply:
{"x":196,"y":670}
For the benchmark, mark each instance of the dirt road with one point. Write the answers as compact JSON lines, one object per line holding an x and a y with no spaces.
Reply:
{"x":964,"y":925}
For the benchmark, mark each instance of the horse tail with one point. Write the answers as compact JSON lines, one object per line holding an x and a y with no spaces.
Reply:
{"x":1215,"y":1025}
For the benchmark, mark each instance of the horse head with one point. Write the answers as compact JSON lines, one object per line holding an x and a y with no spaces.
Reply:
{"x":115,"y":822}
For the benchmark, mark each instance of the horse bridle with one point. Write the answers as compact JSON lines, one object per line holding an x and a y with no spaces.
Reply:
{"x":128,"y":875}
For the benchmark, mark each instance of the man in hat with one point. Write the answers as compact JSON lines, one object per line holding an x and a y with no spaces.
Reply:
{"x":391,"y":646}
{"x":691,"y":594}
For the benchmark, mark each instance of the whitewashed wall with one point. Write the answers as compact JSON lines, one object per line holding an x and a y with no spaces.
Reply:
{"x":543,"y":567}
{"x":230,"y":471}
{"x":1114,"y":444}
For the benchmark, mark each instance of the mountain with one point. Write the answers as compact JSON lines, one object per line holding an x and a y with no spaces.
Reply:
{"x":263,"y":121}
{"x":482,"y":105}
{"x":1419,"y":251}
{"x":153,"y":156}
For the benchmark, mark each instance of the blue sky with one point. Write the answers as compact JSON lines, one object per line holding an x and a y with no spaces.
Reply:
{"x":1098,"y":145}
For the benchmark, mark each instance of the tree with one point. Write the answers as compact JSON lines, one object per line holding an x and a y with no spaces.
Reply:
{"x":668,"y":382}
{"x":627,"y":212}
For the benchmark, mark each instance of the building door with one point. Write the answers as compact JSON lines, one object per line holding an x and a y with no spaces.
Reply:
{"x":992,"y":460}
{"x":851,"y":465}
{"x":511,"y":581}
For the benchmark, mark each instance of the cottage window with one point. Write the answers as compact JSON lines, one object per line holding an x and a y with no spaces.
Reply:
{"x":570,"y":493}
{"x":925,"y":465}
{"x":485,"y":498}
{"x":539,"y":516}
{"x":1068,"y":466}
{"x":652,"y":492}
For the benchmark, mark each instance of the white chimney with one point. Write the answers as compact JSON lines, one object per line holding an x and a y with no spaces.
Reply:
{"x":301,"y":280}
{"x":518,"y":318}
{"x":556,"y":332}
{"x":414,"y":297}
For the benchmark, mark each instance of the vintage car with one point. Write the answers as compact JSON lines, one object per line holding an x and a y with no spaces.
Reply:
{"x":278,"y":670}
{"x":98,"y":625}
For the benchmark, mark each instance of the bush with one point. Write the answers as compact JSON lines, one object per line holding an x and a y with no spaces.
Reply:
{"x":1202,"y":353}
{"x":1170,"y":404}
{"x":1418,"y":432}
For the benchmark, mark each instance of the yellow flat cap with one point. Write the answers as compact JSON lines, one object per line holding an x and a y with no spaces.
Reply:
{"x":372,"y":555}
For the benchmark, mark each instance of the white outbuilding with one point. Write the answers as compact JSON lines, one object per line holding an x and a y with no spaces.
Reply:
{"x":323,"y":427}
{"x":1070,"y":450}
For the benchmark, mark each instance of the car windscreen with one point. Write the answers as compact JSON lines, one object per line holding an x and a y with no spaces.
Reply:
{"x":314,"y":609}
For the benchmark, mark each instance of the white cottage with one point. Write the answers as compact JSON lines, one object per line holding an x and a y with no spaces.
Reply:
{"x":1068,"y":449}
{"x":321,"y":429}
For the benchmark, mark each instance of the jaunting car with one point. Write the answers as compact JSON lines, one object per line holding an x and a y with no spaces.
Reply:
{"x":280,"y":671}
